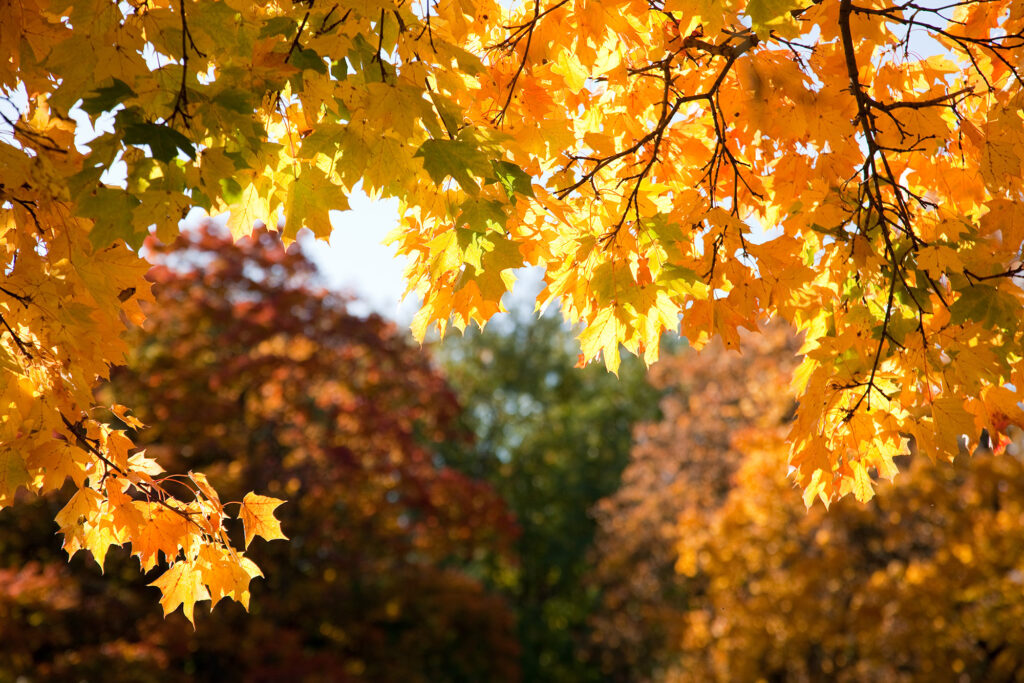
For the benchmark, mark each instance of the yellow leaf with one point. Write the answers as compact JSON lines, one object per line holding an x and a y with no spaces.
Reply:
{"x":952,"y":424}
{"x":252,"y":208}
{"x":81,"y":508}
{"x":227,"y":574}
{"x":602,"y":336}
{"x":12,"y":475}
{"x":181,"y":584}
{"x":862,"y":487}
{"x":257,"y":516}
{"x":568,"y":65}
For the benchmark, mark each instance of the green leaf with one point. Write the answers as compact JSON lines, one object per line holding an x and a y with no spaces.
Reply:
{"x":514,"y":179}
{"x":107,"y":97}
{"x":455,"y":158}
{"x":483,"y":215}
{"x":238,"y":101}
{"x":164,"y":142}
{"x":310,"y":199}
{"x":774,"y":15}
{"x":987,"y":305}
{"x":448,"y":112}
{"x":278,"y":26}
{"x":85,"y":180}
{"x":112,"y":211}
{"x":339,"y":69}
{"x":308,"y":59}
{"x":230,"y":190}
{"x":683,"y":281}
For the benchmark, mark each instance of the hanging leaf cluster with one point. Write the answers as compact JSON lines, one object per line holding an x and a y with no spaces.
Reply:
{"x":854,"y":168}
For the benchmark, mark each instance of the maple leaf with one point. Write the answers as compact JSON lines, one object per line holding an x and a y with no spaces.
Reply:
{"x":953,"y":425}
{"x":457,"y":159}
{"x":257,"y":515}
{"x":13,"y":475}
{"x":775,"y":15}
{"x":227,"y":576}
{"x":181,"y":584}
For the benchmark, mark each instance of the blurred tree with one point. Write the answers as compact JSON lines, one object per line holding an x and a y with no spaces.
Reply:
{"x":553,"y":440}
{"x":713,"y":568}
{"x":252,"y":373}
{"x":924,"y":583}
{"x":681,"y":462}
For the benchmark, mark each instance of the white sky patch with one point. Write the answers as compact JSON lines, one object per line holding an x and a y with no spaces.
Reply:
{"x":355,"y":259}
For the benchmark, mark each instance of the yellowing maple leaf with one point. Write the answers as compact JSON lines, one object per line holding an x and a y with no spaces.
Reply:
{"x":13,"y":475}
{"x":227,"y":575}
{"x":257,"y":515}
{"x":181,"y":584}
{"x":863,"y":489}
{"x":953,"y":424}
{"x":603,"y":336}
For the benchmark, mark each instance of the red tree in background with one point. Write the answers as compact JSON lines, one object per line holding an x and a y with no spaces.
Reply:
{"x":252,"y":373}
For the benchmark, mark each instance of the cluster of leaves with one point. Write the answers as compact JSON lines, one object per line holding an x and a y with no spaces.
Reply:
{"x":854,"y":167}
{"x":552,"y":439}
{"x":716,"y":163}
{"x":252,"y":372}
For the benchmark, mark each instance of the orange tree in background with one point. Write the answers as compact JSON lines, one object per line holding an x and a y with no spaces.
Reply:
{"x":852,"y":166}
{"x":921,"y":584}
{"x":714,"y":570}
{"x":253,"y":373}
{"x":685,"y":461}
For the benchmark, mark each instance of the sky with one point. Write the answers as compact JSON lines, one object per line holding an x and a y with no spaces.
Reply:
{"x":356,"y":261}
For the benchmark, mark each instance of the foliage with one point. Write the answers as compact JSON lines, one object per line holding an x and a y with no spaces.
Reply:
{"x":251,"y":372}
{"x":714,"y":570}
{"x":685,"y":461}
{"x":922,"y":584}
{"x":552,"y":439}
{"x":854,"y":168}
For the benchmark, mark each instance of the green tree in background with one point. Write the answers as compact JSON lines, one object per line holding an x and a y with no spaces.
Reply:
{"x":553,"y":440}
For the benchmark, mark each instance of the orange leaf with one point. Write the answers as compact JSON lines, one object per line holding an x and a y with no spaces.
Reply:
{"x":182,"y":584}
{"x":257,"y":516}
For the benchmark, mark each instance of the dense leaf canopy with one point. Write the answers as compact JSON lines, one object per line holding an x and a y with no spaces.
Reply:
{"x":712,"y":568}
{"x":683,"y":462}
{"x":852,"y":167}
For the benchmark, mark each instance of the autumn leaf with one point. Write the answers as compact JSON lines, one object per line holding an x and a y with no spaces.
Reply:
{"x":227,"y":576}
{"x":257,"y":515}
{"x":181,"y":584}
{"x":775,"y":15}
{"x":457,"y":159}
{"x":954,"y":426}
{"x":13,"y":475}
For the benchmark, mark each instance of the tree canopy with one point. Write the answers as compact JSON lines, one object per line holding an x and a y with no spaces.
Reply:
{"x":854,"y":168}
{"x":684,"y":462}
